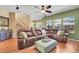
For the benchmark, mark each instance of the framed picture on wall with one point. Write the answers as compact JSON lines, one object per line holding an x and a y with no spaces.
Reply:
{"x":4,"y":21}
{"x":69,"y":23}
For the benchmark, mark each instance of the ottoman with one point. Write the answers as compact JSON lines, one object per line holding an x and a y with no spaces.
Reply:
{"x":45,"y":47}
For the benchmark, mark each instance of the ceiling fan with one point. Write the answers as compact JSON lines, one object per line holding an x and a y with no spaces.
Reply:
{"x":45,"y":9}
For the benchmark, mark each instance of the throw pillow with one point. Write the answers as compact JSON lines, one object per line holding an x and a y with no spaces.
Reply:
{"x":29,"y":34}
{"x":38,"y":32}
{"x":43,"y":31}
{"x":23,"y":34}
{"x":60,"y":32}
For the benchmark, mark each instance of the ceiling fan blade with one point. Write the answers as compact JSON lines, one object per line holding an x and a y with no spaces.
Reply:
{"x":48,"y":11}
{"x":49,"y":6}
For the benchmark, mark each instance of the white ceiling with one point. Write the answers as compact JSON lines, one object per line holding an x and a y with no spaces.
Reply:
{"x":35,"y":12}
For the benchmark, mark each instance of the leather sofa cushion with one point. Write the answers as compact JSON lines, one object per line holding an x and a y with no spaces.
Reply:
{"x":38,"y":32}
{"x":30,"y":41}
{"x":29,"y":34}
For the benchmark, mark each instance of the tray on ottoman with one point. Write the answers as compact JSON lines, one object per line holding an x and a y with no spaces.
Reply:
{"x":45,"y":46}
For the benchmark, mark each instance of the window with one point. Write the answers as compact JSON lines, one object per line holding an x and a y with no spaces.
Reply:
{"x":49,"y":23}
{"x":57,"y":23}
{"x":38,"y":25}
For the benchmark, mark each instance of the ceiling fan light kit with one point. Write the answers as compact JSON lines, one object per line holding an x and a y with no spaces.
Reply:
{"x":42,"y":11}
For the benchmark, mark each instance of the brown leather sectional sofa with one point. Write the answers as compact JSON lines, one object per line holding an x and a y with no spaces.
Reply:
{"x":52,"y":33}
{"x":34,"y":35}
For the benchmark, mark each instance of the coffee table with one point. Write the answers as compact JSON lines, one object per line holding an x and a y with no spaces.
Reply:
{"x":45,"y":47}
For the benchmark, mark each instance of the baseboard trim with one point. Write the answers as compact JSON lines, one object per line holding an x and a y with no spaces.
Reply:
{"x":73,"y":39}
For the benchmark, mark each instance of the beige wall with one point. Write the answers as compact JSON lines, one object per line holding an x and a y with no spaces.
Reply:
{"x":23,"y":20}
{"x":4,"y":13}
{"x":31,"y":22}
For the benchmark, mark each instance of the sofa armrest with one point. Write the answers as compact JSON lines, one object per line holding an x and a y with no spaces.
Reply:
{"x":20,"y":37}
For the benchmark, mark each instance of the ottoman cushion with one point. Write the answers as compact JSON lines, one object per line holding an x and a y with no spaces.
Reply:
{"x":45,"y":46}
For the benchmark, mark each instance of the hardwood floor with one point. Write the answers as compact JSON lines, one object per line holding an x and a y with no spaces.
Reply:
{"x":10,"y":46}
{"x":70,"y":46}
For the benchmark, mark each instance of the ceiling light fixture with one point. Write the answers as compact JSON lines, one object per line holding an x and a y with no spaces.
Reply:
{"x":43,"y":11}
{"x":17,"y":7}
